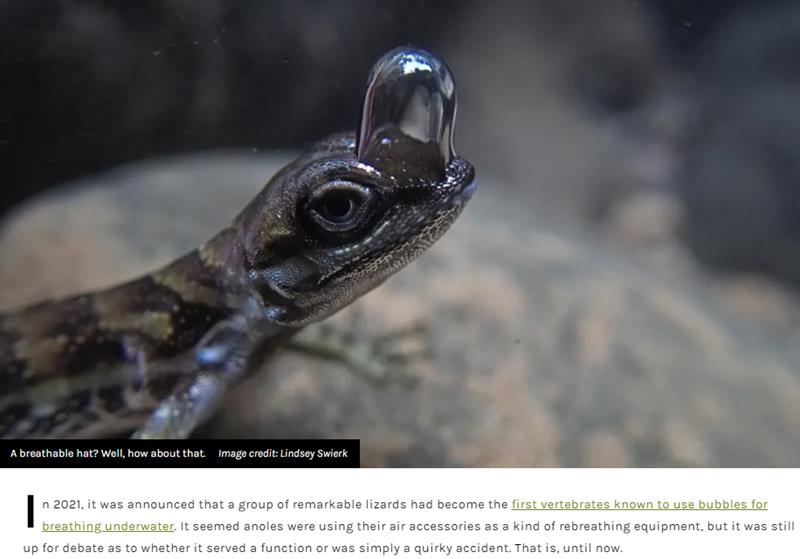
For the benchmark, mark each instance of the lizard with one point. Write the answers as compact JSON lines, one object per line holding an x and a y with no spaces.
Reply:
{"x":153,"y":357}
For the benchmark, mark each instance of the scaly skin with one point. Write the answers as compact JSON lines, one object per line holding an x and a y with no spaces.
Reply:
{"x":155,"y":356}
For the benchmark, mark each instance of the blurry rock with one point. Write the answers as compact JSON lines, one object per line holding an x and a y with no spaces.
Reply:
{"x":646,"y":224}
{"x":646,"y":217}
{"x":549,"y":349}
{"x":766,"y":301}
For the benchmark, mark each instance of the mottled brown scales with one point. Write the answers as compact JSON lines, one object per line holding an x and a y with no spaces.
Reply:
{"x":111,"y":399}
{"x":12,"y":415}
{"x":156,"y":325}
{"x":198,"y":280}
{"x":42,"y":354}
{"x":44,"y":340}
{"x":156,"y":317}
{"x":221,"y":255}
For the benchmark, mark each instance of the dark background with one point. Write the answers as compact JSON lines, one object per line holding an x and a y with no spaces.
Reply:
{"x":89,"y":85}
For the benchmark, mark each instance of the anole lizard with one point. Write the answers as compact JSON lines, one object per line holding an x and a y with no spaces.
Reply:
{"x":155,"y":356}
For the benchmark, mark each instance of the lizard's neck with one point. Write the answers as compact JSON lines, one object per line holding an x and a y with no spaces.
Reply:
{"x":212,"y":275}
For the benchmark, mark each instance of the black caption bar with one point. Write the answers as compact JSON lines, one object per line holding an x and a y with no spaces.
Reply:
{"x":206,"y":453}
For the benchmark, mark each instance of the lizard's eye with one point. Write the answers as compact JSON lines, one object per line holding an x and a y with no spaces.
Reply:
{"x":340,"y":207}
{"x":336,"y":206}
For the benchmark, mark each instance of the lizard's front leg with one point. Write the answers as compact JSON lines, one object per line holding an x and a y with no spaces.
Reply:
{"x":189,"y":406}
{"x":221,"y":359}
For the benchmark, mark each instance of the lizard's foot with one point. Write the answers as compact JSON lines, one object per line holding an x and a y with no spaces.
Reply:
{"x":385,"y":359}
{"x":191,"y":404}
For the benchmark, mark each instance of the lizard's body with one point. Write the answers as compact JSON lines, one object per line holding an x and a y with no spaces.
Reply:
{"x":155,"y":355}
{"x":100,"y":363}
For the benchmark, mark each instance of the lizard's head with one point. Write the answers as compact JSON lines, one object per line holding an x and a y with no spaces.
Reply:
{"x":355,"y":209}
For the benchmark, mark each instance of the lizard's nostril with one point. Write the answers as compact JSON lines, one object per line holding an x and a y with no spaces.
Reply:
{"x":410,"y":94}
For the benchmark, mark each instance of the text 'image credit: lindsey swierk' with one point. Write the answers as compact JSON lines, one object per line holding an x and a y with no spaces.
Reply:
{"x":400,"y":513}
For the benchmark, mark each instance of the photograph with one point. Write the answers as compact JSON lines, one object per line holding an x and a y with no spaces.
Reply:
{"x":512,"y":234}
